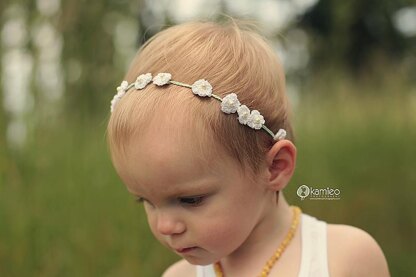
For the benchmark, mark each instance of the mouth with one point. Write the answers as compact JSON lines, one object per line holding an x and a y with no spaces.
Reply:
{"x":185,"y":250}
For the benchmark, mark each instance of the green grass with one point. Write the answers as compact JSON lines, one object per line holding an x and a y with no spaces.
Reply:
{"x":64,"y":212}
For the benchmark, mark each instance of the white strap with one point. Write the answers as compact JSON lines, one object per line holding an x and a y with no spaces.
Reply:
{"x":314,"y":261}
{"x":205,"y":271}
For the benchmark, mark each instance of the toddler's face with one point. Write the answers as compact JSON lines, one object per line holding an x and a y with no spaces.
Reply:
{"x":209,"y":208}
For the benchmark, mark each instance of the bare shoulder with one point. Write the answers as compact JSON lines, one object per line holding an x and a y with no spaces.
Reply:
{"x":353,"y":252}
{"x":180,"y":269}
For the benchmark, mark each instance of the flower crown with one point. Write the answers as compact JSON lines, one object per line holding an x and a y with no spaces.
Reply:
{"x":229,"y":104}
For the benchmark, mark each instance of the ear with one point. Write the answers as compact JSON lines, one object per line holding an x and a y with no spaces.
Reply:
{"x":281,"y":162}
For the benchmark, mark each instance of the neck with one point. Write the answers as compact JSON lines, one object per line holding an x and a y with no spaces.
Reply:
{"x":263,"y":241}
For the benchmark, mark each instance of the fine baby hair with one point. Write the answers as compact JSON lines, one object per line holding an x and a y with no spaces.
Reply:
{"x":233,"y":59}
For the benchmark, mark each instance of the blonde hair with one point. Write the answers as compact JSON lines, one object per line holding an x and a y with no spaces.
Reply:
{"x":233,"y":58}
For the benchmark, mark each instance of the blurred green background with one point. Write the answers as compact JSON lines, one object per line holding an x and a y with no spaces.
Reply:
{"x":64,"y":212}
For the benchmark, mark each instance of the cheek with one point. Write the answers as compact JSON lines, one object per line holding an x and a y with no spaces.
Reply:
{"x":225,"y":232}
{"x":151,"y":220}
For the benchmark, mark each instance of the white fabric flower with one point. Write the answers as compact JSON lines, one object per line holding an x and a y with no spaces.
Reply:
{"x":117,"y":98}
{"x":255,"y":120}
{"x":123,"y":86}
{"x":143,"y":80}
{"x":162,"y":79}
{"x":113,"y":103}
{"x":243,"y":114}
{"x":230,"y":103}
{"x":202,"y":88}
{"x":121,"y":90}
{"x":281,"y":134}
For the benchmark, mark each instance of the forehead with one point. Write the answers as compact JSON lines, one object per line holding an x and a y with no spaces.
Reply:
{"x":170,"y":158}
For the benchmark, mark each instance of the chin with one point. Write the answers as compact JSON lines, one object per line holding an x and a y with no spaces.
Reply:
{"x":198,"y":261}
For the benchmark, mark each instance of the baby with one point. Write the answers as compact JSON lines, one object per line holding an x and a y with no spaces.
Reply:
{"x":200,"y":133}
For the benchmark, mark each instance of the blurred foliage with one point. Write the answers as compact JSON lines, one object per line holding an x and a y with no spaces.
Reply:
{"x":64,"y":212}
{"x":353,"y":33}
{"x":87,"y":41}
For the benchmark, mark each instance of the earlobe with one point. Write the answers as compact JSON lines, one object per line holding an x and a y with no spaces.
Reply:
{"x":281,"y":161}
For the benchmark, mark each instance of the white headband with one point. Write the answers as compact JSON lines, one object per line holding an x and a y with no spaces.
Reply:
{"x":229,"y":104}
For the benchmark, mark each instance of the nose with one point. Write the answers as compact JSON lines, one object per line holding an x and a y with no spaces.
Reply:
{"x":168,"y":225}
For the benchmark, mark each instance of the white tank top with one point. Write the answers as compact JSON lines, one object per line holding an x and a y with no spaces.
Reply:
{"x":314,"y":260}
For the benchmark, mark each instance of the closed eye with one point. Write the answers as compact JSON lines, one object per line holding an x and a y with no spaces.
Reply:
{"x":192,"y":201}
{"x":188,"y":201}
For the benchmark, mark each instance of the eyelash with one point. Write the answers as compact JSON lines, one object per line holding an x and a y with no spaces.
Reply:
{"x":198,"y":202}
{"x":193,"y":201}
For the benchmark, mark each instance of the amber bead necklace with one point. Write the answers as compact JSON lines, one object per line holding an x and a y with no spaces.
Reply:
{"x":273,"y":259}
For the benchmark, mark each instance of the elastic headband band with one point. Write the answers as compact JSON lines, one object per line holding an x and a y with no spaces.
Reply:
{"x":229,"y":104}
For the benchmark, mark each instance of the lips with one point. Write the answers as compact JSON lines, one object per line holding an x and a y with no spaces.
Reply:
{"x":184,"y":250}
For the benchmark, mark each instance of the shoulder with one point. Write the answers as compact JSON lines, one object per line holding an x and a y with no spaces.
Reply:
{"x":353,"y":252}
{"x":180,"y":269}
